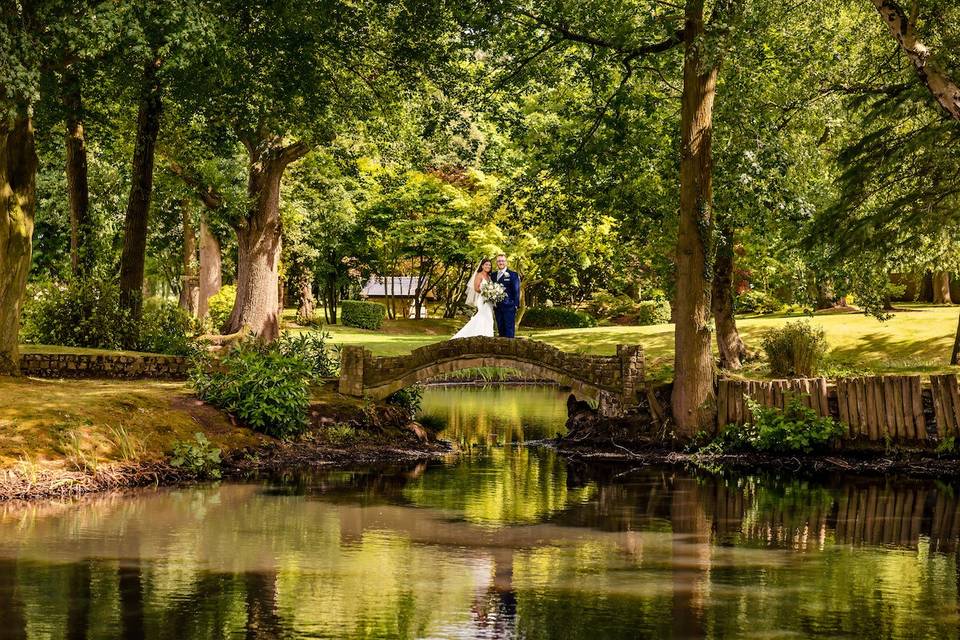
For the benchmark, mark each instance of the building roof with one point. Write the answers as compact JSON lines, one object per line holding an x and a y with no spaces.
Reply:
{"x":399,"y":286}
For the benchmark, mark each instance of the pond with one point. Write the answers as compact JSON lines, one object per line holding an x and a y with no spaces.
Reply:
{"x":503,"y":541}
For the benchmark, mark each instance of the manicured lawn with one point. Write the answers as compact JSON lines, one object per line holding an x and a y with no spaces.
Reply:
{"x":917,"y":339}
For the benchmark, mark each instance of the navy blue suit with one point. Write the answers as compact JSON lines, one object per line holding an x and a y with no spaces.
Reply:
{"x":506,"y":311}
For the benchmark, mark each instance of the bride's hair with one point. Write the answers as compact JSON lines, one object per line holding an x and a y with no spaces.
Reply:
{"x":483,"y":262}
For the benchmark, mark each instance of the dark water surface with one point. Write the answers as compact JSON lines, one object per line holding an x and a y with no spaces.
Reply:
{"x":505,"y":541}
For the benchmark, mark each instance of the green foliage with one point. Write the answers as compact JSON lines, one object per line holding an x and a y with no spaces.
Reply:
{"x":165,"y":328}
{"x":198,"y":456}
{"x":340,"y":433}
{"x":260,"y":386}
{"x":557,"y":318}
{"x":796,"y":429}
{"x":87,"y":313}
{"x":653,"y":312}
{"x":311,"y":348}
{"x":756,"y":301}
{"x":221,"y":305}
{"x":795,"y":349}
{"x":408,"y":398}
{"x":362,"y":314}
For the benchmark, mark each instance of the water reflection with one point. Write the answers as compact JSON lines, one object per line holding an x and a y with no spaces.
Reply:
{"x":506,"y":542}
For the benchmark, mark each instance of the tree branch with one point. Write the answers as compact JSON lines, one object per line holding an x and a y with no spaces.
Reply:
{"x":944,"y":90}
{"x":210,"y":197}
{"x":631,"y":52}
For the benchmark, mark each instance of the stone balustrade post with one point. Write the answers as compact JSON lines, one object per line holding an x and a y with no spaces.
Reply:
{"x":631,"y":370}
{"x":351,"y":370}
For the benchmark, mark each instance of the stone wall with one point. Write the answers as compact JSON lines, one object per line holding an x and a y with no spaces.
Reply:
{"x":69,"y":365}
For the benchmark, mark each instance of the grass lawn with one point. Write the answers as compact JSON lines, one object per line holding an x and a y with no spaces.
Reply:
{"x":917,"y":339}
{"x":80,"y":423}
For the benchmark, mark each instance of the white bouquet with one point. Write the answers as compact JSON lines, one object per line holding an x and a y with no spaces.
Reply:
{"x":493,"y":292}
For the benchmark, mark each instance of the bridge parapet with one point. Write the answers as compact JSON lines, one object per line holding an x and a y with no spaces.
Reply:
{"x":615,"y":379}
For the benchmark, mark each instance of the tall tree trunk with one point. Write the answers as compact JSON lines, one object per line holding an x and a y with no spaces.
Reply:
{"x":18,"y":177}
{"x":190,"y":287}
{"x":941,"y":288}
{"x":306,"y":309}
{"x":81,"y":227}
{"x":693,"y":399}
{"x":259,"y":239}
{"x":903,"y":29}
{"x":211,"y":263}
{"x":729,"y":345}
{"x":331,"y":298}
{"x":141,"y":188}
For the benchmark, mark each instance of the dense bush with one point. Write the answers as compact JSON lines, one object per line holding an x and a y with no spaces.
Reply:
{"x":221,"y":306}
{"x":198,"y":456}
{"x":165,"y":328}
{"x":795,"y":429}
{"x":409,"y":399}
{"x":604,"y":304}
{"x":260,"y":386}
{"x":311,"y":347}
{"x":795,"y":349}
{"x":362,"y":314}
{"x":653,"y":312}
{"x":87,"y":313}
{"x":756,"y":301}
{"x":557,"y":318}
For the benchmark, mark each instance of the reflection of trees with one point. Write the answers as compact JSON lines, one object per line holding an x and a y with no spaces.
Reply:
{"x":78,"y":608}
{"x":509,"y":485}
{"x":131,"y":601}
{"x":12,"y":618}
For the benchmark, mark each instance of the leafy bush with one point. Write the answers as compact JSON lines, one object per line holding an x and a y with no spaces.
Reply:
{"x":260,"y":386}
{"x":409,"y":399}
{"x":756,"y":301}
{"x":604,"y":304}
{"x":221,"y":306}
{"x":311,"y":348}
{"x":796,"y":428}
{"x":557,"y":318}
{"x":165,"y":328}
{"x":198,"y":456}
{"x":362,"y":314}
{"x":653,"y":312}
{"x":85,"y":313}
{"x":795,"y":349}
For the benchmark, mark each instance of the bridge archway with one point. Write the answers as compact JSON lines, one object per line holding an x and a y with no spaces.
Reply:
{"x":365,"y":375}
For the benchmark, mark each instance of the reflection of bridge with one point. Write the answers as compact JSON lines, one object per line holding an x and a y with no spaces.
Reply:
{"x":618,"y":376}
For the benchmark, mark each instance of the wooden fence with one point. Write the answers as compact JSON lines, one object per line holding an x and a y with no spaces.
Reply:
{"x":897,"y":408}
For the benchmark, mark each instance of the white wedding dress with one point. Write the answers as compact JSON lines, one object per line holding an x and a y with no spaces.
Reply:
{"x":481,"y":324}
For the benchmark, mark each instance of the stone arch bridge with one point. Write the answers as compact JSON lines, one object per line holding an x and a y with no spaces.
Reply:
{"x":612,"y":380}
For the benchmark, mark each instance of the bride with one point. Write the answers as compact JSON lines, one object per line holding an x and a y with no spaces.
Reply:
{"x":481,"y":324}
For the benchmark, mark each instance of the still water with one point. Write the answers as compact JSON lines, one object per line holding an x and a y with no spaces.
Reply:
{"x":504,"y":541}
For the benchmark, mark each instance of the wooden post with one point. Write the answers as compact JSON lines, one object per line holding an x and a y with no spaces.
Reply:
{"x":916,"y":398}
{"x":888,"y":408}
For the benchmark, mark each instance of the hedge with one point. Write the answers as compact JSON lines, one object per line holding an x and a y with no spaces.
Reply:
{"x":653,"y":312}
{"x":362,"y":314}
{"x":557,"y":318}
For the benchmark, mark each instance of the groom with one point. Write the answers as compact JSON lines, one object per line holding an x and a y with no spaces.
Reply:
{"x":506,"y":311}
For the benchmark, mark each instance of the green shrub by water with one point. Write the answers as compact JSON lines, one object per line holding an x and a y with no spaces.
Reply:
{"x":221,"y":306}
{"x":362,"y":314}
{"x":260,"y":386}
{"x":313,"y":348}
{"x":410,"y":399}
{"x":795,"y":429}
{"x":198,"y":456}
{"x":795,"y":350}
{"x":87,"y":313}
{"x":557,"y":318}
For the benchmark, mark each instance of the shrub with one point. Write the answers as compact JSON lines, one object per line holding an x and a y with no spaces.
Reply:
{"x":311,"y":348}
{"x":557,"y":318}
{"x":221,"y":306}
{"x":85,"y":313}
{"x":362,"y":314}
{"x":756,"y":301}
{"x":165,"y":328}
{"x":653,"y":312}
{"x":409,"y":399}
{"x":795,"y":349}
{"x":604,"y":304}
{"x":260,"y":386}
{"x":796,"y":428}
{"x":199,"y":456}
